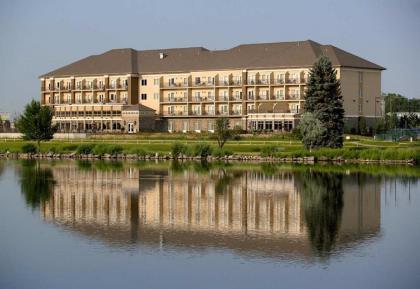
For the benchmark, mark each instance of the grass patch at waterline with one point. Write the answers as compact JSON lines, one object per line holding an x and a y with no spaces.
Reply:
{"x":405,"y":151}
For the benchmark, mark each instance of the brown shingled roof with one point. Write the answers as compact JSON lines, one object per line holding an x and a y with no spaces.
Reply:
{"x":248,"y":56}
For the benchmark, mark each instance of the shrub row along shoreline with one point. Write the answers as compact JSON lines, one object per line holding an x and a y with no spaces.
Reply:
{"x":205,"y":151}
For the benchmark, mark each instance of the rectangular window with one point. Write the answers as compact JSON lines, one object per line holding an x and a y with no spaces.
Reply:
{"x":210,"y":126}
{"x":156,"y":96}
{"x":156,"y":81}
{"x":143,"y":96}
{"x":197,"y":80}
{"x":144,"y":82}
{"x":197,"y":125}
{"x":185,"y":126}
{"x":197,"y":96}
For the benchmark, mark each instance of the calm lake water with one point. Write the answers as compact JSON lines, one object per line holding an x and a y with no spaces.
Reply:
{"x":68,"y":224}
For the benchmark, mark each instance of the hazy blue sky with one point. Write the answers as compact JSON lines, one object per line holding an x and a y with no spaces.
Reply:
{"x":39,"y":36}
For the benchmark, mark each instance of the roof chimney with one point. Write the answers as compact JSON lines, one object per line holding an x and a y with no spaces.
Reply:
{"x":162,"y":55}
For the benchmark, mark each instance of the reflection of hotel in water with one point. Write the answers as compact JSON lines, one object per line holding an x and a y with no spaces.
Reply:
{"x":195,"y":209}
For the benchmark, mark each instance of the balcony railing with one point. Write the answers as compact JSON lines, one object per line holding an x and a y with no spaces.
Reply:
{"x":174,"y":84}
{"x":294,"y":96}
{"x":203,"y":84}
{"x":263,"y":81}
{"x":293,"y":80}
{"x":223,"y":112}
{"x":263,"y":97}
{"x":175,"y":99}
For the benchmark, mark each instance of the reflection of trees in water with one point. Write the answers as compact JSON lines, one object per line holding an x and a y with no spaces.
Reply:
{"x":322,"y":204}
{"x":2,"y":166}
{"x":36,"y":182}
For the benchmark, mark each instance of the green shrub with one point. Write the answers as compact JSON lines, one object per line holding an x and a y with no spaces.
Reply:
{"x":202,"y":150}
{"x":270,"y":150}
{"x":85,"y":149}
{"x":178,"y":149}
{"x":114,"y":149}
{"x":218,"y":152}
{"x":69,"y":148}
{"x":53,"y":150}
{"x":138,"y":151}
{"x":101,"y":149}
{"x":29,"y":148}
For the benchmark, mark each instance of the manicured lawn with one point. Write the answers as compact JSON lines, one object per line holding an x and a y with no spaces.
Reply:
{"x":355,"y":147}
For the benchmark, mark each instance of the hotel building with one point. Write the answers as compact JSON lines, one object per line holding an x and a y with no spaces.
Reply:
{"x":257,"y":86}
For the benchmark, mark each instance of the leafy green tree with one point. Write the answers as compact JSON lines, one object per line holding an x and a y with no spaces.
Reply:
{"x":312,"y":129}
{"x":324,"y":99}
{"x":395,"y":102}
{"x":223,"y":132}
{"x":36,"y":123}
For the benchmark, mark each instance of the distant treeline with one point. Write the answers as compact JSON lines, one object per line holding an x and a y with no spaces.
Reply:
{"x":397,"y":103}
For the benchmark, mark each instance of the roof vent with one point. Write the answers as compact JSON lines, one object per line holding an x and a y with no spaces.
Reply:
{"x":162,"y":55}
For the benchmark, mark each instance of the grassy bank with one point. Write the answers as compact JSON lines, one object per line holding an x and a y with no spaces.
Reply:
{"x":364,"y":148}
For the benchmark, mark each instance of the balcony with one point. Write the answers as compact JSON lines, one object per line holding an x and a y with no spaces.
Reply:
{"x":279,"y":81}
{"x":263,"y":81}
{"x":294,"y":96}
{"x":263,"y":97}
{"x":207,"y":98}
{"x":236,"y":112}
{"x":293,"y":81}
{"x":203,"y":84}
{"x":210,"y":112}
{"x":175,"y":113}
{"x":173,"y":85}
{"x":229,"y":83}
{"x":223,"y":98}
{"x":175,"y":99}
{"x":196,"y":112}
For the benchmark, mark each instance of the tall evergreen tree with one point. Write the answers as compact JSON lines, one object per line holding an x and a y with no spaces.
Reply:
{"x":36,"y":123}
{"x":324,"y":99}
